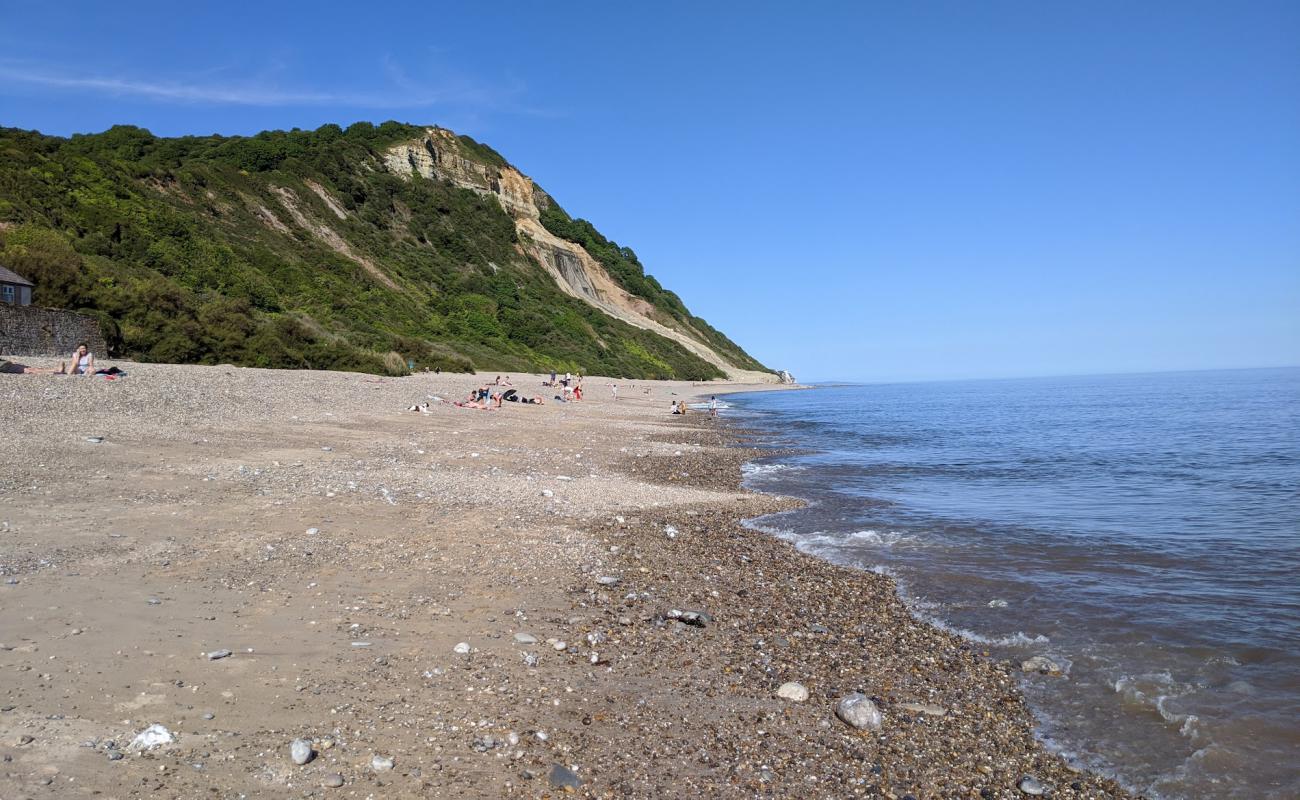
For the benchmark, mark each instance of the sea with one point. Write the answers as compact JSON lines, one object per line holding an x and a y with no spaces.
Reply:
{"x":1142,"y":531}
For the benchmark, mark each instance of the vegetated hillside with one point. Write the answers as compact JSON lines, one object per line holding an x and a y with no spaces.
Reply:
{"x":308,"y":249}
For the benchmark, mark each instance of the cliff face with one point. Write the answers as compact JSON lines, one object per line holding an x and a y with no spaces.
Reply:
{"x":363,"y":249}
{"x":438,"y":155}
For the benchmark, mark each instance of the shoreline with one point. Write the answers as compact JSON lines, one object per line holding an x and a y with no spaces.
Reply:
{"x":343,"y":550}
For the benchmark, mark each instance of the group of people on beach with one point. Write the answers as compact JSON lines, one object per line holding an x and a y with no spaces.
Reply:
{"x":82,"y":363}
{"x":679,"y":406}
{"x":485,"y":399}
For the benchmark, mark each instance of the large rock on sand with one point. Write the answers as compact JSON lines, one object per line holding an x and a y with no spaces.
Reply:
{"x":858,"y":711}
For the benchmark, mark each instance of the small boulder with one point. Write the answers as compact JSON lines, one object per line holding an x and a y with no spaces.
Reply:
{"x":858,"y":711}
{"x":381,"y":763}
{"x":300,"y":751}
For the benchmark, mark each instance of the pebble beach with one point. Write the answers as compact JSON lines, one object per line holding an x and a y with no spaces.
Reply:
{"x":218,"y":581}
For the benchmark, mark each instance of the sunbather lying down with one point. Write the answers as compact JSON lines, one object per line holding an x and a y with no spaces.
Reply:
{"x":14,"y":368}
{"x":513,"y":396}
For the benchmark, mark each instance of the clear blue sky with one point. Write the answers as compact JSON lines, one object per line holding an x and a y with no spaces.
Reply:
{"x":851,"y":190}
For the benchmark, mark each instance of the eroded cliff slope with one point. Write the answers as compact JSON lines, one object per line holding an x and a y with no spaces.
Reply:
{"x":438,"y":154}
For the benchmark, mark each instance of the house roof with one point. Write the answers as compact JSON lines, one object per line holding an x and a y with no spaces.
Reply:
{"x":8,"y":276}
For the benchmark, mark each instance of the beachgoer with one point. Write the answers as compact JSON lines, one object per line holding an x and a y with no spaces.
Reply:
{"x":613,"y":388}
{"x":14,"y":368}
{"x":552,"y":383}
{"x":577,"y":392}
{"x":83,"y":361}
{"x":713,"y":406}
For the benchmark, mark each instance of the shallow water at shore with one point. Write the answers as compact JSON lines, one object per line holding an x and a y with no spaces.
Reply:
{"x":1143,"y":531}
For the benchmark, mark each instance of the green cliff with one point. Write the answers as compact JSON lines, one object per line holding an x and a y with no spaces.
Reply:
{"x":351,"y":249}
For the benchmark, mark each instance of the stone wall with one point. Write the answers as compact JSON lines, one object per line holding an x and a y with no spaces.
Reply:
{"x":31,"y":331}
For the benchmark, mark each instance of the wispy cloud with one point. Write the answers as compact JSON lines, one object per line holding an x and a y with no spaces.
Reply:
{"x":401,"y":92}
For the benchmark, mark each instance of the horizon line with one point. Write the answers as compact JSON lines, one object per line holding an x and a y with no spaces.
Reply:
{"x":891,"y":381}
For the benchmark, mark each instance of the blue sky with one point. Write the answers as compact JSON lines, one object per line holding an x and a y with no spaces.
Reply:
{"x":871,"y":191}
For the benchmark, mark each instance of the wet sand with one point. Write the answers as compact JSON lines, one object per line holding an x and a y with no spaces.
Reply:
{"x":344,"y":550}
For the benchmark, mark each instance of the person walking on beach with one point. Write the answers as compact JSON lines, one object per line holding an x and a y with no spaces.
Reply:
{"x":713,"y":406}
{"x":613,"y":389}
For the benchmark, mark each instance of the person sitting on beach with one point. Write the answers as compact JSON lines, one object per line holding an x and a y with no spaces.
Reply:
{"x":83,"y":361}
{"x":423,"y":408}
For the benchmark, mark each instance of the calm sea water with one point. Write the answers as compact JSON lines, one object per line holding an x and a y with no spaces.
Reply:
{"x":1141,"y":530}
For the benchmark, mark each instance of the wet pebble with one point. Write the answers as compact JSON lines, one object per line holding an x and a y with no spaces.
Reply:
{"x":1042,"y":665}
{"x":561,"y":777}
{"x":1030,"y":785}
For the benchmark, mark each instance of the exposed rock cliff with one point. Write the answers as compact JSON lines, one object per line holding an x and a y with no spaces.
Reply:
{"x":438,"y":155}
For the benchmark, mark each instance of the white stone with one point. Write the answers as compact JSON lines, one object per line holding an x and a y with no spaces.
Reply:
{"x":151,"y":737}
{"x":793,"y":691}
{"x":858,"y":711}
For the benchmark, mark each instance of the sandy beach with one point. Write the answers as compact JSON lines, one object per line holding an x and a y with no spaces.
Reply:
{"x":529,"y":602}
